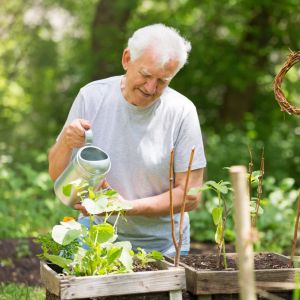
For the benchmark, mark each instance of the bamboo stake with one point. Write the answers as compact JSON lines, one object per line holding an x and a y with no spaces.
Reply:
{"x":241,"y":203}
{"x":182,"y":210}
{"x":171,"y":199}
{"x":178,"y":245}
{"x":295,"y":232}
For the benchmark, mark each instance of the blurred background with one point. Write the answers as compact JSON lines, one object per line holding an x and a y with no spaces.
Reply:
{"x":49,"y":49}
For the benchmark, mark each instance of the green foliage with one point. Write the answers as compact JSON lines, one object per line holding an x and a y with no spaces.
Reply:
{"x":14,"y":291}
{"x":28,"y":206}
{"x":145,"y":258}
{"x":275,"y":225}
{"x":49,"y":246}
{"x":99,"y":253}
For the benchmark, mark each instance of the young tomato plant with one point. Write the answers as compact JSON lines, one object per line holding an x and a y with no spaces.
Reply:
{"x":85,"y":252}
{"x":219,"y":213}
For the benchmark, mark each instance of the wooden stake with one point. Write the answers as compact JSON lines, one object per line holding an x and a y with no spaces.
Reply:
{"x":171,"y":199}
{"x":241,"y":203}
{"x":295,"y":232}
{"x":182,"y":210}
{"x":178,"y":245}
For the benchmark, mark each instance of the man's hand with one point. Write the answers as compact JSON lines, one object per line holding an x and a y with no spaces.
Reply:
{"x":102,"y":186}
{"x":73,"y":136}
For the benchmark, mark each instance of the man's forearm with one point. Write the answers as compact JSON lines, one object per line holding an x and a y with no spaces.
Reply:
{"x":160,"y":205}
{"x":58,"y":157}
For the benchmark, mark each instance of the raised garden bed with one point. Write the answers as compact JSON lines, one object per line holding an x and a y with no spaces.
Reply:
{"x":166,"y":279}
{"x":203,"y":278}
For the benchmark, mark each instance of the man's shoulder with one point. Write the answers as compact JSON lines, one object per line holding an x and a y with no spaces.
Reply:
{"x":99,"y":84}
{"x":175,"y":99}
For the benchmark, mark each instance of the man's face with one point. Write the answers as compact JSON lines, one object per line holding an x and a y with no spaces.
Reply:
{"x":145,"y":81}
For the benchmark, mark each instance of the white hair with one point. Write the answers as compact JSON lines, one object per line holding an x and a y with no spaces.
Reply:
{"x":166,"y":42}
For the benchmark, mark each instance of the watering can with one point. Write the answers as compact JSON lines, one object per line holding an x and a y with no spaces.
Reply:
{"x":90,"y":163}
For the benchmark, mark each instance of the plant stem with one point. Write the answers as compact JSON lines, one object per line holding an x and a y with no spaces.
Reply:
{"x":295,"y":232}
{"x":259,"y":188}
{"x":250,"y":170}
{"x":117,"y":218}
{"x":182,"y":210}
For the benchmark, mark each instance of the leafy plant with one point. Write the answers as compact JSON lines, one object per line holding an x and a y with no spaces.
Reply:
{"x":219,"y":213}
{"x":83,"y":252}
{"x":146,"y":258}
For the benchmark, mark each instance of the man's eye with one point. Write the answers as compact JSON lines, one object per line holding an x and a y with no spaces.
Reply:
{"x":162,"y":81}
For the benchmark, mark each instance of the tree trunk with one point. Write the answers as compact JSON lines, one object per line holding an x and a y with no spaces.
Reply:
{"x":237,"y":102}
{"x":108,"y":36}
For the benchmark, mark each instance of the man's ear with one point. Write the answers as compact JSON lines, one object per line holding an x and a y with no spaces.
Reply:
{"x":126,"y":58}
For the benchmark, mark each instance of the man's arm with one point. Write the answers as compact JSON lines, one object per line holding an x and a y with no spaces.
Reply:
{"x":160,"y":205}
{"x":73,"y":136}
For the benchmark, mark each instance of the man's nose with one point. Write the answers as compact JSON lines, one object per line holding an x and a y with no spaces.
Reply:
{"x":151,"y":86}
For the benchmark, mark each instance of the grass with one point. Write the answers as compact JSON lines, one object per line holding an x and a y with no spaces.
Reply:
{"x":12,"y":291}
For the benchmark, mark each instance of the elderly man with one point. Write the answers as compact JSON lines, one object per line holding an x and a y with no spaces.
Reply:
{"x":137,"y":119}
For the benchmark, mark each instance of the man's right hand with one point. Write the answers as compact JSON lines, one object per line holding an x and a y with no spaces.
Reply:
{"x":73,"y":135}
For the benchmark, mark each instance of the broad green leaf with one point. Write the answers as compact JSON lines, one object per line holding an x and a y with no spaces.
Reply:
{"x":105,"y":232}
{"x":218,"y":187}
{"x":126,"y":257}
{"x":156,"y":255}
{"x":111,"y":193}
{"x":58,"y":260}
{"x":95,"y":207}
{"x":217,"y":214}
{"x":113,"y":254}
{"x":218,"y":234}
{"x":67,"y":189}
{"x":63,"y":235}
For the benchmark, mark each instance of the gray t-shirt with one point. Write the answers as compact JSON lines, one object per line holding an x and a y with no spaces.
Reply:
{"x":138,"y":141}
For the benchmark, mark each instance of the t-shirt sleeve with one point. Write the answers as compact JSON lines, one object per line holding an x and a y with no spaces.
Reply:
{"x":76,"y":111}
{"x":189,"y":136}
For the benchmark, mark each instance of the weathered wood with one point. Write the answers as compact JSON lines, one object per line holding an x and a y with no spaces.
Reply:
{"x":51,"y":277}
{"x":211,"y":282}
{"x":71,"y":287}
{"x":175,"y":295}
{"x":241,"y":203}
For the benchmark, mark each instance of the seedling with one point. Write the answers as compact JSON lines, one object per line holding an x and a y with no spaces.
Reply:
{"x":219,"y":213}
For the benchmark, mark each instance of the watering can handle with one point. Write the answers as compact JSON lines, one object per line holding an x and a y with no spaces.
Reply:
{"x":88,"y":137}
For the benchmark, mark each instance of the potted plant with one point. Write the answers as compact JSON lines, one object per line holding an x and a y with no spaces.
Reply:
{"x":212,"y":276}
{"x":81,"y":263}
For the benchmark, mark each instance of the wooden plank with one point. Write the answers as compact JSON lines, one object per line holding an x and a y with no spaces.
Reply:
{"x":123,"y":284}
{"x":210,"y":282}
{"x":50,"y":279}
{"x":175,"y":295}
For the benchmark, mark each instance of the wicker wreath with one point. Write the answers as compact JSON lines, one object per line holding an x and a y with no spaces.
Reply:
{"x":293,"y":58}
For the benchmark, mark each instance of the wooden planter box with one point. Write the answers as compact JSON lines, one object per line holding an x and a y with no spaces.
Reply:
{"x":167,"y":279}
{"x":213,"y":282}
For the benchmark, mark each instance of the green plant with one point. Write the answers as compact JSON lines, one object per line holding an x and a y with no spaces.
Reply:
{"x":219,"y":213}
{"x":145,"y":258}
{"x":83,"y":252}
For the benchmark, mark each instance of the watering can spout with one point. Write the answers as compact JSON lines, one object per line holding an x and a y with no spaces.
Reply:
{"x":90,"y":164}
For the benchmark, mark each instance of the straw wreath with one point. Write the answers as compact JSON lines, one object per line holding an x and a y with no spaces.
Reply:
{"x":293,"y":58}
